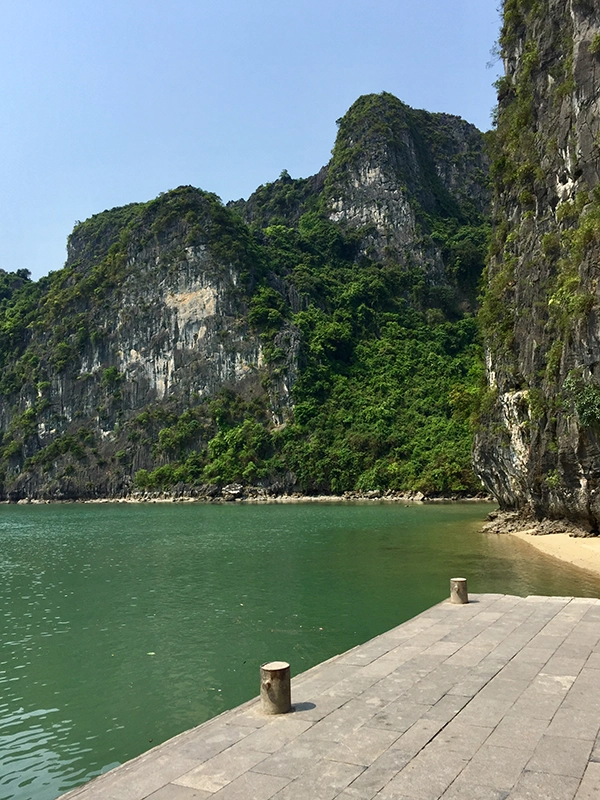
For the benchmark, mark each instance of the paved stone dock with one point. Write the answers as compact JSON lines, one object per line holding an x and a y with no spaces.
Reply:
{"x":496,"y":699}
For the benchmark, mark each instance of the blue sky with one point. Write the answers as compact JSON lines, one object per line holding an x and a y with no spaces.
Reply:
{"x":106,"y":103}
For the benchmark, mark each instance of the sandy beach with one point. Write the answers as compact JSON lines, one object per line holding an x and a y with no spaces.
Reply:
{"x":581,"y":552}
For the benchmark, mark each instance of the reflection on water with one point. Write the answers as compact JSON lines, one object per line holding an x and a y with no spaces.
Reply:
{"x":121,"y":626}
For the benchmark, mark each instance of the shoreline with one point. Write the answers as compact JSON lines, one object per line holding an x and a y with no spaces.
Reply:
{"x":582,"y":552}
{"x":224,"y":497}
{"x":559,"y":538}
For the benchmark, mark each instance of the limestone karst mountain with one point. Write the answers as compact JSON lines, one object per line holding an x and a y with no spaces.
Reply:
{"x":539,"y":447}
{"x":319,"y":336}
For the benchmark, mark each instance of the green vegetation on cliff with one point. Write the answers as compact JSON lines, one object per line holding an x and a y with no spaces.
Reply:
{"x":538,"y":445}
{"x":377,"y":344}
{"x":383,"y":400}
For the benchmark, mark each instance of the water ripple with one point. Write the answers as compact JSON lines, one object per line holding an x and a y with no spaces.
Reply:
{"x":121,"y":626}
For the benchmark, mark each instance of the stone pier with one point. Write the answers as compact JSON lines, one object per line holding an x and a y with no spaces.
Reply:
{"x":496,"y":699}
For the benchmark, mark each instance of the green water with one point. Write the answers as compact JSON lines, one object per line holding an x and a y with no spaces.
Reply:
{"x":122,"y":625}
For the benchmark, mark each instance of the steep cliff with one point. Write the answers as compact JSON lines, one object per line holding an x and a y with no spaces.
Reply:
{"x":539,"y":446}
{"x":398,"y":171}
{"x":318,"y":336}
{"x":149,"y":312}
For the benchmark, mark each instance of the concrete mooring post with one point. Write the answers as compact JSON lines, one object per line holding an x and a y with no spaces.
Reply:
{"x":458,"y":591}
{"x":275,"y":690}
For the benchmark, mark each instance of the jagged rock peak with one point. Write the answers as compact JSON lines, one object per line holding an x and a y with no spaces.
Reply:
{"x":393,"y":166}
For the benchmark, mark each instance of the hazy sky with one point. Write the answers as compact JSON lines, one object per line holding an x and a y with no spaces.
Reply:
{"x":106,"y":103}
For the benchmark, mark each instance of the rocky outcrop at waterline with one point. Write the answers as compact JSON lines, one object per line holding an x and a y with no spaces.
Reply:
{"x":500,"y":522}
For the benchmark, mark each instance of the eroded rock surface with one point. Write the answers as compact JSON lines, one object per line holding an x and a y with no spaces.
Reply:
{"x":539,"y":446}
{"x":174,"y":338}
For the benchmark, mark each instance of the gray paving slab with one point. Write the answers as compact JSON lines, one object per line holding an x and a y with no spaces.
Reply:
{"x":521,"y":670}
{"x":368,"y":784}
{"x":417,"y":736}
{"x":172,"y":792}
{"x":217,"y":772}
{"x":446,"y":708}
{"x":558,"y":665}
{"x":399,"y":716}
{"x":295,"y":758}
{"x":462,"y":737}
{"x":342,"y":723}
{"x":459,"y":790}
{"x":137,"y":780}
{"x":364,"y":749}
{"x":496,"y":699}
{"x":485,"y":711}
{"x":252,"y":785}
{"x":589,"y":788}
{"x":574,"y":722}
{"x":497,"y":767}
{"x":200,"y":745}
{"x":273,"y":737}
{"x":383,"y":692}
{"x":502,"y":688}
{"x":593,"y":661}
{"x":514,"y":730}
{"x":559,"y":755}
{"x":534,"y":655}
{"x":426,"y":777}
{"x":595,"y":756}
{"x":323,"y":781}
{"x":542,"y":786}
{"x":316,"y":707}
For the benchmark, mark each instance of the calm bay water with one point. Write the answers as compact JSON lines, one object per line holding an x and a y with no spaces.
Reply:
{"x":122,"y":625}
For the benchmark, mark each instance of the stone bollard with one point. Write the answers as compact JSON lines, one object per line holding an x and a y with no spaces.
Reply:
{"x":458,"y":591}
{"x":275,"y":691}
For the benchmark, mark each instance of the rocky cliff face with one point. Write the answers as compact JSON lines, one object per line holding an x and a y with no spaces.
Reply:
{"x":181,"y":335}
{"x":539,"y":446}
{"x":394,"y":168}
{"x":150,"y":311}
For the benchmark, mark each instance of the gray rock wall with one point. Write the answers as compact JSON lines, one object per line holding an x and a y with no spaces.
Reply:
{"x":394,"y":166}
{"x":539,"y":448}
